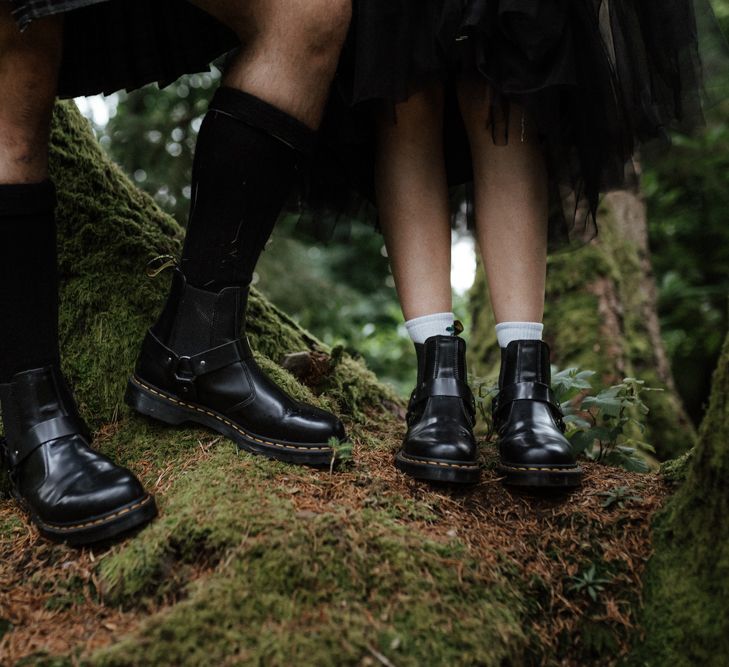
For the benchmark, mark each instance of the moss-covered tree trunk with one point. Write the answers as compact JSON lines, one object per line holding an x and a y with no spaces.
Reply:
{"x":686,"y":615}
{"x":601,"y":315}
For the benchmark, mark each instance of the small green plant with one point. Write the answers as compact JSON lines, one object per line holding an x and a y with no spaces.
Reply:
{"x":588,"y":582}
{"x":600,"y":426}
{"x":619,"y":496}
{"x":483,"y":396}
{"x":342,"y":452}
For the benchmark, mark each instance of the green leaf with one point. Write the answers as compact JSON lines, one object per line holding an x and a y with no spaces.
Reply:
{"x":580,"y":441}
{"x":577,"y":421}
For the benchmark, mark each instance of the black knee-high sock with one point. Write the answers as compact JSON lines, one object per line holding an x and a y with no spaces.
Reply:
{"x":28,"y":278}
{"x":246,"y":160}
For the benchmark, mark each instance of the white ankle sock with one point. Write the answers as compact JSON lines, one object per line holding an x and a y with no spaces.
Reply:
{"x":422,"y":328}
{"x":509,"y":331}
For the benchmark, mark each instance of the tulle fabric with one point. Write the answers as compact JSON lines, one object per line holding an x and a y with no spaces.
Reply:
{"x":597,"y":79}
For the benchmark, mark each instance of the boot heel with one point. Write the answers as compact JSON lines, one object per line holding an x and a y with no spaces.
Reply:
{"x":148,"y":404}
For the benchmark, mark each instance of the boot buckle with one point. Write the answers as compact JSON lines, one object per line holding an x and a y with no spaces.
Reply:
{"x":184,"y":375}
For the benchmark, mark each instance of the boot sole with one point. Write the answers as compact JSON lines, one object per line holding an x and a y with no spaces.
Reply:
{"x":157,"y":404}
{"x":434,"y":470}
{"x":101,"y":528}
{"x":539,"y":477}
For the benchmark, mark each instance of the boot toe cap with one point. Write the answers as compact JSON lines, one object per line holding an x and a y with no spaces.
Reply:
{"x":539,"y":453}
{"x":442,"y":444}
{"x":96,"y":494}
{"x":314,"y":426}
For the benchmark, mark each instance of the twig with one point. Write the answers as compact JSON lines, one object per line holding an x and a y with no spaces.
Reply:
{"x":378,"y":656}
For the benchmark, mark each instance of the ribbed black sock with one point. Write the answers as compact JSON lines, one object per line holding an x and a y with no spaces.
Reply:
{"x":28,"y":278}
{"x":246,"y":160}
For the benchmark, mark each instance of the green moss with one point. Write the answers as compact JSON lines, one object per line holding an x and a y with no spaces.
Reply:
{"x":686,"y":616}
{"x":356,"y":388}
{"x":137,"y":439}
{"x":264,"y":318}
{"x":9,"y":526}
{"x":326,"y":590}
{"x":248,"y":577}
{"x":290,"y":384}
{"x":105,"y":305}
{"x":675,"y":471}
{"x":41,"y":660}
{"x":285,"y":586}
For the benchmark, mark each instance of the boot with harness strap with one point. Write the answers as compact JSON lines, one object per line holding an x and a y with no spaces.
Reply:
{"x":533,"y":450}
{"x":439,"y":445}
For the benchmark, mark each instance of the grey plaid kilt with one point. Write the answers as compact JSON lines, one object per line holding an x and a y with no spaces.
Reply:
{"x":124,"y":44}
{"x":26,"y":11}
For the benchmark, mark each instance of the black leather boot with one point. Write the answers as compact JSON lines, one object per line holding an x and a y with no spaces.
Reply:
{"x":196,"y":367}
{"x":528,"y":421}
{"x":439,"y":444}
{"x":72,"y":493}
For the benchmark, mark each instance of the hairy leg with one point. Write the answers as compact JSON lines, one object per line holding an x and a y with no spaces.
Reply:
{"x":290,"y":50}
{"x":412,"y":198}
{"x":511,"y":207}
{"x":28,"y":78}
{"x":258,"y":132}
{"x":28,"y":279}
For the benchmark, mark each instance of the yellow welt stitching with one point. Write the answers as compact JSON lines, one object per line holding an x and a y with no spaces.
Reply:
{"x":228,"y":423}
{"x":505,"y":467}
{"x":443,"y":465}
{"x":97,"y":521}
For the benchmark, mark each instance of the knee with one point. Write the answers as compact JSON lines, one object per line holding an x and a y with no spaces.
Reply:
{"x":308,"y":31}
{"x":321,"y":25}
{"x":423,"y":109}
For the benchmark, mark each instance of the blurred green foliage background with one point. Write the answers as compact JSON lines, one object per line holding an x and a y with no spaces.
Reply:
{"x":344,"y":293}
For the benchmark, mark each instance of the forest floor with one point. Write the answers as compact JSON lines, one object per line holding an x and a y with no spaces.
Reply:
{"x":257,"y":562}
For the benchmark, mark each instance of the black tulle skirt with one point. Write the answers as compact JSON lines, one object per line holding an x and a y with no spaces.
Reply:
{"x":111,"y":45}
{"x":598,"y":80}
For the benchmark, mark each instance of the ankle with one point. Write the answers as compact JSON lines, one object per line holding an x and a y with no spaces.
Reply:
{"x":427,"y":326}
{"x":507,"y":332}
{"x":525,"y":360}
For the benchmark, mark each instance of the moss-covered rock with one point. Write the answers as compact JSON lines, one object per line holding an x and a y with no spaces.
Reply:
{"x":600,"y":315}
{"x":686,"y":615}
{"x":301,"y":587}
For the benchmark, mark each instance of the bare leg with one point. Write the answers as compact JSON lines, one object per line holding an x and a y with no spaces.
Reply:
{"x":290,"y":50}
{"x":412,"y":197}
{"x":511,"y":219}
{"x":28,"y":76}
{"x":511,"y":207}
